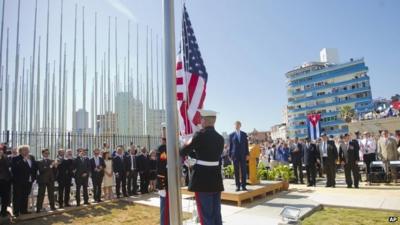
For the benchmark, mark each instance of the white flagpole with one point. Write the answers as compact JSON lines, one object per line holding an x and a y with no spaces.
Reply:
{"x":1,"y":65}
{"x":74,"y":76}
{"x":175,"y":202}
{"x":15,"y":96}
{"x":33,"y":73}
{"x":7,"y":88}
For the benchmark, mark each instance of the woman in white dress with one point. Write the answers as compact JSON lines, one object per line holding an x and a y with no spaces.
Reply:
{"x":108,"y":177}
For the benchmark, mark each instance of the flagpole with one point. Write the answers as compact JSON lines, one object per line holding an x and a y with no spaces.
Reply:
{"x":7,"y":88}
{"x":33,"y":73}
{"x":15,"y":97}
{"x":172,"y":115}
{"x":1,"y":65}
{"x":74,"y":76}
{"x":95,"y":76}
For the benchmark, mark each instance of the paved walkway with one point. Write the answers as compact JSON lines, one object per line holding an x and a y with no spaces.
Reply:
{"x":267,"y":210}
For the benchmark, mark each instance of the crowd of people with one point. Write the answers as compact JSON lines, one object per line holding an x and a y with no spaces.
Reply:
{"x":327,"y":154}
{"x":131,"y":172}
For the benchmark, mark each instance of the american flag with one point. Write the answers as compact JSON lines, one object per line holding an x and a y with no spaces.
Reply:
{"x":191,"y":79}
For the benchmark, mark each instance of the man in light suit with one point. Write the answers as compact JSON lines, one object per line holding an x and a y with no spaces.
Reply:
{"x":239,"y":153}
{"x":387,"y":151}
{"x":329,"y":155}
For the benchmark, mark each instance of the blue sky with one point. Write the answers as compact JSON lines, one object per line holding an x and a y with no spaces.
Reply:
{"x":247,"y":46}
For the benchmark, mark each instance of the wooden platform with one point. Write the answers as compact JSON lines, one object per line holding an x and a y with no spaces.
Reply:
{"x":254,"y":191}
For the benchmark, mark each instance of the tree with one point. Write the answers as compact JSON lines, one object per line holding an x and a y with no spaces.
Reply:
{"x":347,"y":113}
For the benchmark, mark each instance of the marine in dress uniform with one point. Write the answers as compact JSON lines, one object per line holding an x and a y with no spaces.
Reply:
{"x":162,"y":182}
{"x":206,"y":181}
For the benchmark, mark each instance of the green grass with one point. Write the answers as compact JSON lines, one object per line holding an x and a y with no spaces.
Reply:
{"x":116,"y":213}
{"x":343,"y":216}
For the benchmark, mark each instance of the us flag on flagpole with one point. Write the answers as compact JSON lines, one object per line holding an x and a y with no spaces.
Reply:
{"x":191,"y":80}
{"x":314,"y":126}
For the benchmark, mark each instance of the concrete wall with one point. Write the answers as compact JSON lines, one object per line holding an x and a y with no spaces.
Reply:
{"x":391,"y":124}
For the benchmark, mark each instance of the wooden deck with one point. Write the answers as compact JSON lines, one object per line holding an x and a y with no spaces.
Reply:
{"x":254,"y":191}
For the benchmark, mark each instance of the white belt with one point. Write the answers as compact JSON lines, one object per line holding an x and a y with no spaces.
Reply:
{"x":207,"y":163}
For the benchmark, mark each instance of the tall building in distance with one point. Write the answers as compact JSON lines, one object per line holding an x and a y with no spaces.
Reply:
{"x":155,"y":118}
{"x":325,"y":87}
{"x":106,"y":124}
{"x":82,"y":121}
{"x":130,"y":114}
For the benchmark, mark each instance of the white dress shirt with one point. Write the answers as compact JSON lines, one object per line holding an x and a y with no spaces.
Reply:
{"x":367,"y":146}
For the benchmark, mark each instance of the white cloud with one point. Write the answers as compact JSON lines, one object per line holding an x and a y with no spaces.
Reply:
{"x":122,"y":8}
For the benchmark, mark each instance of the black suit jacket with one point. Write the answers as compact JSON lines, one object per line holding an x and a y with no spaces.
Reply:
{"x":143,"y":163}
{"x":46,"y":171}
{"x":128,"y":163}
{"x":298,"y":155}
{"x":351,"y":154}
{"x":22,"y":172}
{"x":331,"y":151}
{"x":102,"y":164}
{"x":81,"y":166}
{"x":119,"y":164}
{"x":65,"y":171}
{"x":5,"y":166}
{"x":310,"y":154}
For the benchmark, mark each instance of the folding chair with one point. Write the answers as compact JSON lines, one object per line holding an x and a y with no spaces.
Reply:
{"x":377,"y":172}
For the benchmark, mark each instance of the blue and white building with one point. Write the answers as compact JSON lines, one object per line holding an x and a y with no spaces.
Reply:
{"x":324,"y":87}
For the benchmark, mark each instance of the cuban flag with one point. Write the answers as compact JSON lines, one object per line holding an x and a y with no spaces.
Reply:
{"x":314,"y":126}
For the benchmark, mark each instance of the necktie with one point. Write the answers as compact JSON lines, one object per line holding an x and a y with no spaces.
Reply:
{"x":238,"y":135}
{"x":324,"y":147}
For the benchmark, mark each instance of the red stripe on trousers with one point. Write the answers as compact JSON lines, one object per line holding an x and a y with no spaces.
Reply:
{"x":166,"y":209}
{"x":198,"y":203}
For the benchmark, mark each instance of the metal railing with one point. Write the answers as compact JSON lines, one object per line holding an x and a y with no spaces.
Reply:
{"x":73,"y":140}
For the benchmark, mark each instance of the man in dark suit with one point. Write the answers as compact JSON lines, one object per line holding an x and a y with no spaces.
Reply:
{"x":349,"y":156}
{"x":143,"y":165}
{"x":120,"y":172}
{"x":5,"y":180}
{"x":132,"y":173}
{"x":24,"y":174}
{"x":310,"y":159}
{"x":46,"y":176}
{"x":329,"y":154}
{"x":64,"y":176}
{"x":82,"y":172}
{"x":97,"y":168}
{"x":296,"y":155}
{"x":239,"y":153}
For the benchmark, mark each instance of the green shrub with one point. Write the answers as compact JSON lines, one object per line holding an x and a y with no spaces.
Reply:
{"x":229,"y":171}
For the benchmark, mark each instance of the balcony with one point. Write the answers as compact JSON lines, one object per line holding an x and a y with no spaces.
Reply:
{"x":350,"y":91}
{"x":324,"y":75}
{"x":335,"y":103}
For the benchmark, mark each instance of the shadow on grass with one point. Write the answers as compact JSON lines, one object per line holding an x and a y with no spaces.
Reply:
{"x":70,"y":217}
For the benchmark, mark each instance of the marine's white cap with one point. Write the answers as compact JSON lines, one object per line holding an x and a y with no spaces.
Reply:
{"x":207,"y":113}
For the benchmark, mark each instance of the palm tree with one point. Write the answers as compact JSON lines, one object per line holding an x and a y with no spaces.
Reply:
{"x":347,"y":113}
